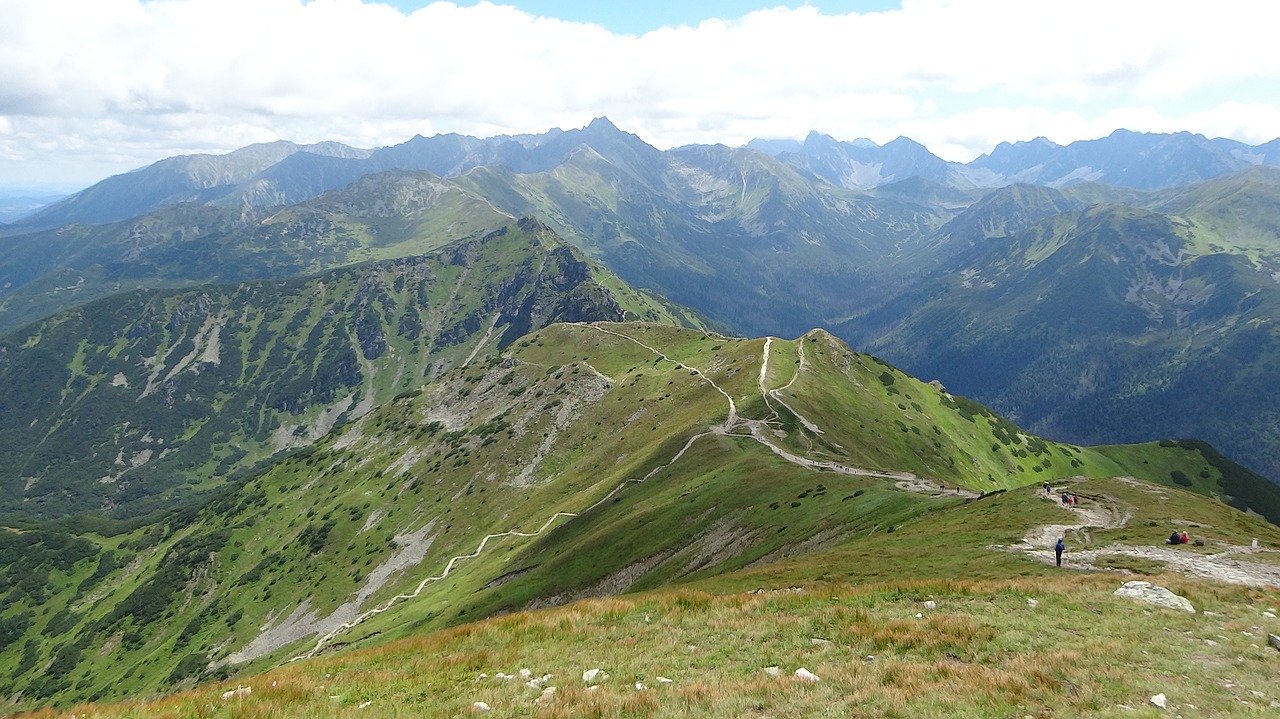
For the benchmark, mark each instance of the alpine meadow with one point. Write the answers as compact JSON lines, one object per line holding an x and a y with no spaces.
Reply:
{"x":563,"y":424}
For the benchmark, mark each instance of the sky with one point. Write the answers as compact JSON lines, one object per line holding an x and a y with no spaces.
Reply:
{"x":91,"y":88}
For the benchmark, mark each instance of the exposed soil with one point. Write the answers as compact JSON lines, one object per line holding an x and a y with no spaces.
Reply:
{"x":1230,"y":564}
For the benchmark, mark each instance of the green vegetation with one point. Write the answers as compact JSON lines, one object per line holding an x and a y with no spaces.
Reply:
{"x":148,"y":400}
{"x":622,"y":469}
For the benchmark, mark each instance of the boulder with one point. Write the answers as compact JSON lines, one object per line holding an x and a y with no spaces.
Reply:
{"x":805,"y":675}
{"x":1159,"y":701}
{"x":1159,"y":596}
{"x":1275,"y":641}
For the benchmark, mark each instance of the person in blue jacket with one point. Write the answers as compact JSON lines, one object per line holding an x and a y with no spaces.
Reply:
{"x":1058,"y":550}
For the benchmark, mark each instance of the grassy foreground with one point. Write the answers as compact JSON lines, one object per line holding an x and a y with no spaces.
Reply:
{"x":983,"y":650}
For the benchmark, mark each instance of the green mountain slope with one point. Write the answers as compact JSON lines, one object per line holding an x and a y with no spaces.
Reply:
{"x":735,"y":233}
{"x":385,"y":216}
{"x":586,"y":461}
{"x":1112,"y":322}
{"x":134,"y":403}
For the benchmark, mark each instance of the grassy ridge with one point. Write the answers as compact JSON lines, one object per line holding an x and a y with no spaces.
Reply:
{"x":137,"y":402}
{"x":628,"y":428}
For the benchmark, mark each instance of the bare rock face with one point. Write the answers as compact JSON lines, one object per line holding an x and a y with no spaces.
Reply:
{"x":1159,"y":596}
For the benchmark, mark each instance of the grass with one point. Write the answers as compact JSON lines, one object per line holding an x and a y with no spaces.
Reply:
{"x":982,"y":651}
{"x":463,"y":460}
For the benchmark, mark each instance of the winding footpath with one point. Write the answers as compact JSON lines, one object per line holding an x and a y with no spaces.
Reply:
{"x":1228,"y":565}
{"x":734,"y":426}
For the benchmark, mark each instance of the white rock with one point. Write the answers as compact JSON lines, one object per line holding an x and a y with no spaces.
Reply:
{"x":1032,"y":603}
{"x":647,"y":619}
{"x":1159,"y":596}
{"x":664,"y":680}
{"x":805,"y":675}
{"x":1158,"y":701}
{"x":930,"y":604}
{"x":365,"y":705}
{"x":526,"y":674}
{"x":919,"y":615}
{"x":869,"y":658}
{"x":480,"y":707}
{"x":534,"y":683}
{"x":237,"y":692}
{"x":592,"y":689}
{"x":819,"y":642}
{"x":773,"y":671}
{"x":591,"y":675}
{"x":1269,"y":615}
{"x":547,"y":695}
{"x":639,"y":687}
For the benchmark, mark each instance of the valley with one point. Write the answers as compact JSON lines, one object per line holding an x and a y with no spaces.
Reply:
{"x":268,"y":439}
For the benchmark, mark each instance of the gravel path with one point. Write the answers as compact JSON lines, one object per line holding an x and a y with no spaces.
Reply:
{"x":1231,"y":564}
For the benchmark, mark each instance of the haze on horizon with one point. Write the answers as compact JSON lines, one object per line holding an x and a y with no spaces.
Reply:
{"x":99,"y":87}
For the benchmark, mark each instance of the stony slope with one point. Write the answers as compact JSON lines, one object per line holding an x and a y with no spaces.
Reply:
{"x":139,"y":401}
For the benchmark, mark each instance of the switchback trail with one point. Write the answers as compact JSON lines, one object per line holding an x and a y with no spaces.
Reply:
{"x":732,"y":426}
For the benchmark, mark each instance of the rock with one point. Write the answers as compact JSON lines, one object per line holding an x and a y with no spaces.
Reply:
{"x":365,"y":705}
{"x":534,"y":683}
{"x":805,"y":675}
{"x":480,"y":707}
{"x":237,"y":692}
{"x":773,"y":671}
{"x":869,"y":658}
{"x":545,"y":698}
{"x":1269,"y":614}
{"x":639,"y":687}
{"x":919,"y":615}
{"x":1032,"y":603}
{"x":591,"y":675}
{"x":1159,"y":596}
{"x":1158,"y":701}
{"x":930,"y":604}
{"x":819,"y":642}
{"x":664,"y":680}
{"x":526,"y":675}
{"x":1274,"y":641}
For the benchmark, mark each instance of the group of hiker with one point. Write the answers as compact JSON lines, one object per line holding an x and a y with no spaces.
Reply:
{"x":1069,"y":500}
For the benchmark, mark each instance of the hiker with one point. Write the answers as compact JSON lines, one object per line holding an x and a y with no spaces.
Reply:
{"x":1058,"y":549}
{"x":1174,"y":538}
{"x":1183,"y":538}
{"x":1048,"y":491}
{"x":1073,"y":501}
{"x":1066,"y":497}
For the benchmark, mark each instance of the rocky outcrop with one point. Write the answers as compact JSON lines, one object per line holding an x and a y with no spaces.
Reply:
{"x":1159,"y":596}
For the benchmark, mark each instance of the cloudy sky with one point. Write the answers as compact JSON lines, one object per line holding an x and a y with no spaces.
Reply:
{"x":90,"y":88}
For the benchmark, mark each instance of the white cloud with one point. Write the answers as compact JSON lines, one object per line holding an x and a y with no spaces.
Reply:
{"x":114,"y":84}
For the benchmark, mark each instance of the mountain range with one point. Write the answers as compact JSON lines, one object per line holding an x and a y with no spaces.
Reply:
{"x":263,"y":408}
{"x":1087,"y":311}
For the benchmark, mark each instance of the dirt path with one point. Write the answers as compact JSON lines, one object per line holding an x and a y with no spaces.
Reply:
{"x":1229,"y":565}
{"x":324,"y":640}
{"x":734,"y":425}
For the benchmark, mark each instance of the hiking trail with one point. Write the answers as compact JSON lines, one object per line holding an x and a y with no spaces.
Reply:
{"x":1228,"y":565}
